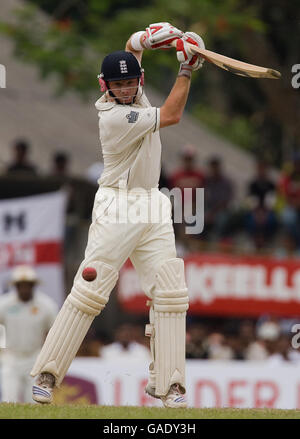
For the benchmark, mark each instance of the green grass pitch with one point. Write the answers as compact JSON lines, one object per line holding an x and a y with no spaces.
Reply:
{"x":35,"y":411}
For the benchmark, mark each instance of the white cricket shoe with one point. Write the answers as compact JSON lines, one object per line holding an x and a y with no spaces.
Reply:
{"x":43,"y":388}
{"x":173,"y":399}
{"x":151,"y":391}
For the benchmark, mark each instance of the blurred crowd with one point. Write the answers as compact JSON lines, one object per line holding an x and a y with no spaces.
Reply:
{"x":21,"y":164}
{"x":266,"y":219}
{"x":267,"y":340}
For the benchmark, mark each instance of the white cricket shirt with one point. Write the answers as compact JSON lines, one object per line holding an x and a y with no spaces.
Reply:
{"x":130,"y":143}
{"x":26,"y":323}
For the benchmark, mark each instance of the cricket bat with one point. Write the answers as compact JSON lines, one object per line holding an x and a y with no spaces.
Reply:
{"x":233,"y":65}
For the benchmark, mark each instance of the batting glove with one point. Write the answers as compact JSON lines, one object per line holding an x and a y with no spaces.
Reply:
{"x":161,"y":35}
{"x":185,"y":57}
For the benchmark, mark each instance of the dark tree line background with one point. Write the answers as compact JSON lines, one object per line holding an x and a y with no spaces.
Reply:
{"x":261,"y":116}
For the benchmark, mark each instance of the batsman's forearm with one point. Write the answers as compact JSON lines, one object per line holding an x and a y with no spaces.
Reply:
{"x":129,"y":46}
{"x":172,"y":110}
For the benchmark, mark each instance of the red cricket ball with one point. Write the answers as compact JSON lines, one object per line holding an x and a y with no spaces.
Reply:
{"x":89,"y":274}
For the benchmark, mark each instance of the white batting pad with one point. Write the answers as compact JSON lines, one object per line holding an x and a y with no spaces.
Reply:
{"x":170,"y":351}
{"x":85,"y":301}
{"x":170,"y":304}
{"x":63,"y":342}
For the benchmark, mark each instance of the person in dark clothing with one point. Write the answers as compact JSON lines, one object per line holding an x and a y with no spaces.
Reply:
{"x":260,"y":219}
{"x":20,"y":162}
{"x":61,"y":163}
{"x":262,"y":185}
{"x":219,"y":197}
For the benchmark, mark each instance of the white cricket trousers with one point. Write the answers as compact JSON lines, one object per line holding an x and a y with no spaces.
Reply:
{"x":133,"y":224}
{"x":16,"y":383}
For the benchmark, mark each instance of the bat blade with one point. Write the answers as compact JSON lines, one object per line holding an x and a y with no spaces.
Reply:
{"x":235,"y":66}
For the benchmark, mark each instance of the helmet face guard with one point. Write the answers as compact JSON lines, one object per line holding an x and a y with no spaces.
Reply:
{"x":118,"y":66}
{"x":104,"y":86}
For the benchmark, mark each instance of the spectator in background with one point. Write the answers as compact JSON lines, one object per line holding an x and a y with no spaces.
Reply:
{"x":261,"y":226}
{"x":218,"y":347}
{"x":267,"y":333}
{"x":260,"y":218}
{"x":59,"y":169}
{"x":246,"y":333}
{"x":195,"y":343}
{"x":219,"y":196}
{"x":281,"y":351}
{"x":60,"y":165}
{"x":235,"y":344}
{"x":262,"y":188}
{"x":27,"y":315}
{"x":20,"y":162}
{"x":124,"y":346}
{"x":289,"y":190}
{"x":187,"y":175}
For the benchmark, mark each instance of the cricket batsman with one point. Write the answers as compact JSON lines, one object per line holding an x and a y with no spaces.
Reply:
{"x":129,"y":135}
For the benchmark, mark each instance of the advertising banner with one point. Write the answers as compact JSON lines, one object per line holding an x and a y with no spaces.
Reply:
{"x":208,"y":384}
{"x":228,"y":285}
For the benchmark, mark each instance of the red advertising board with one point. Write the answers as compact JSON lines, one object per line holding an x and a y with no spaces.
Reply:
{"x":226,"y":285}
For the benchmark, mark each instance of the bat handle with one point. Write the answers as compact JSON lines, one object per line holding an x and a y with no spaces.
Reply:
{"x":189,"y":47}
{"x":173,"y":43}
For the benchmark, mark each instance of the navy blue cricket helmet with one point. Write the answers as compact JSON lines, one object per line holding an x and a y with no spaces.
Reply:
{"x":119,"y":65}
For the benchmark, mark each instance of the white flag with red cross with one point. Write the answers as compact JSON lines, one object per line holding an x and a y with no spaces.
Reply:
{"x":32,"y":233}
